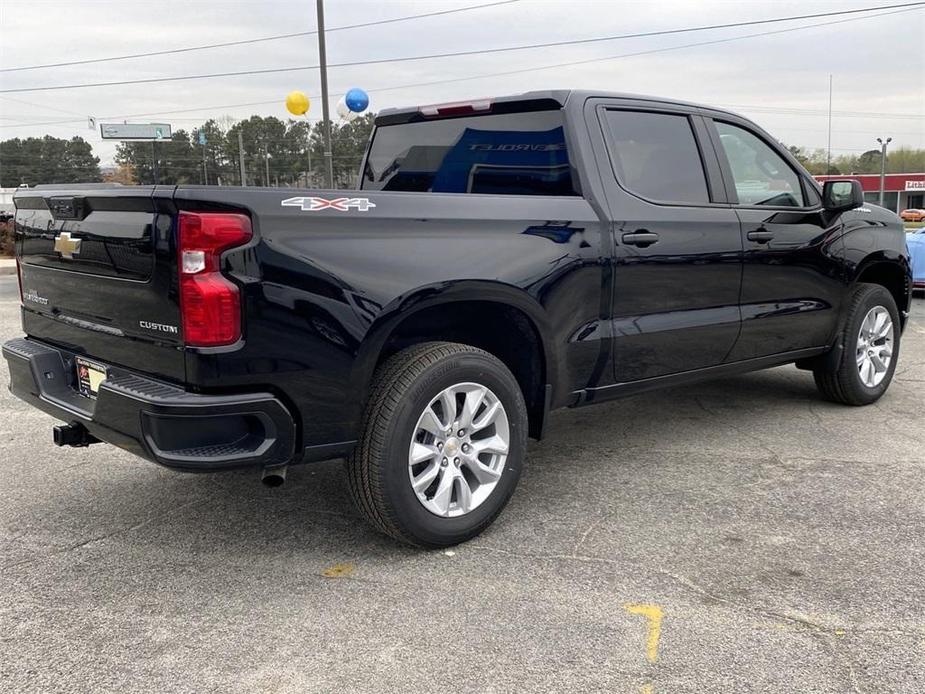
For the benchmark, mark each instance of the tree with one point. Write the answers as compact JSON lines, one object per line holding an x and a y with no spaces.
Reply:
{"x":905,"y":160}
{"x":348,"y":144}
{"x":218,"y":166}
{"x":814,"y":161}
{"x":177,"y":160}
{"x":276,"y":152}
{"x":12,"y":163}
{"x":264,"y":139}
{"x":293,"y":151}
{"x":869,"y":162}
{"x":299,"y":161}
{"x":80,"y":164}
{"x":798,"y":153}
{"x":124,"y":174}
{"x":33,"y":160}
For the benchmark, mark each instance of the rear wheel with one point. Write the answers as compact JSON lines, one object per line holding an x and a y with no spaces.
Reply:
{"x":871,"y":346}
{"x":444,"y":437}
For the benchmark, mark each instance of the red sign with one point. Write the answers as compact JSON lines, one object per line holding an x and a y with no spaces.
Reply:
{"x":891,"y":182}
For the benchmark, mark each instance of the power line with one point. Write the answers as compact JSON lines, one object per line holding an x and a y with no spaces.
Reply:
{"x":664,"y":32}
{"x":44,"y":108}
{"x":217,"y":107}
{"x":820,"y":112}
{"x":792,"y":111}
{"x":649,"y":52}
{"x":241,"y":73}
{"x":761,"y":109}
{"x":244,"y":42}
{"x":842,"y":131}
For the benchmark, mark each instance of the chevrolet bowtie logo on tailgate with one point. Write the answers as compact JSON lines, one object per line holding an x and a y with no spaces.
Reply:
{"x":67,"y":246}
{"x":313,"y":204}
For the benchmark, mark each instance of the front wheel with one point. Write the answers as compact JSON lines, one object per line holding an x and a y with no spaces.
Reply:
{"x":443,"y":443}
{"x":870,"y":339}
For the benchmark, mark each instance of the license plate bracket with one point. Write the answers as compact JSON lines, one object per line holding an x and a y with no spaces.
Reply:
{"x":90,"y":375}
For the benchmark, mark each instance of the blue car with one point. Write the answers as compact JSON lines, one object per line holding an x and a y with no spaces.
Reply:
{"x":915,"y":240}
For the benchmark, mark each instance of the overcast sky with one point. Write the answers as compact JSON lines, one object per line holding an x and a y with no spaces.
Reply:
{"x":877,"y":63}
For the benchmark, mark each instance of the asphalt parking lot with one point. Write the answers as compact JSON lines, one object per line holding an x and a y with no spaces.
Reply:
{"x":741,"y":535}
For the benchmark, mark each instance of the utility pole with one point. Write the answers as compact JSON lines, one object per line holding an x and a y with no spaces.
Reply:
{"x":241,"y":156}
{"x":157,"y":175}
{"x":266,"y":163}
{"x":828,"y":155}
{"x":322,"y":60}
{"x":205,"y":170}
{"x":883,"y":145}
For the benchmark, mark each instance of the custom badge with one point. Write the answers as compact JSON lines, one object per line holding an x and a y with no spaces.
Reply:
{"x":314,"y":204}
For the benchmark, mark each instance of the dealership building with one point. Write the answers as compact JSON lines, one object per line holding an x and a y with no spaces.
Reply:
{"x":900,"y":191}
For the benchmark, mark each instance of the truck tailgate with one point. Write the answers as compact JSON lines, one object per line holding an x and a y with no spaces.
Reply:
{"x":99,"y":274}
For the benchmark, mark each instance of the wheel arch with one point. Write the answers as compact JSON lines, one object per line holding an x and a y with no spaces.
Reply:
{"x":893,"y":274}
{"x":509,"y":319}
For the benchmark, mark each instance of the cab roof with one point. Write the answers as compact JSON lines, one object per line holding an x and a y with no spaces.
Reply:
{"x":540,"y":100}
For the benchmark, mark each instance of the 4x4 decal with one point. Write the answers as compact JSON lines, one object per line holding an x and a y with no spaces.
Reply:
{"x":313,"y":204}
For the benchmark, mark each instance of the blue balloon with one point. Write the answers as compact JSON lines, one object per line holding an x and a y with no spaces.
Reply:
{"x":357,"y":100}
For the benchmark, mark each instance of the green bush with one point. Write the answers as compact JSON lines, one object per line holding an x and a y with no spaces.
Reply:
{"x":6,"y":238}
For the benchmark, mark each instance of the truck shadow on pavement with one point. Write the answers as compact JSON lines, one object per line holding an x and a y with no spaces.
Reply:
{"x":114,"y":496}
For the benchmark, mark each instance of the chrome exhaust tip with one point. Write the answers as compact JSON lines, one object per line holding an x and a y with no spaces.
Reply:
{"x":274,"y":476}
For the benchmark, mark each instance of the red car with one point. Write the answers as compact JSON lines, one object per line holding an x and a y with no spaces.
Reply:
{"x":912,"y":215}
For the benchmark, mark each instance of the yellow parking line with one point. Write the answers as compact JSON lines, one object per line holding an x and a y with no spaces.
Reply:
{"x":653,"y":615}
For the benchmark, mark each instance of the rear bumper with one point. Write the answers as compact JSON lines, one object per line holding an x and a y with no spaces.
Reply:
{"x":153,"y":419}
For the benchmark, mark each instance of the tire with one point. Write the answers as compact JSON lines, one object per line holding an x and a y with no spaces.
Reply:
{"x":841,"y":381}
{"x":379,"y":473}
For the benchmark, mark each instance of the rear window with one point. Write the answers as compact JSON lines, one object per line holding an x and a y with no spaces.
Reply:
{"x":503,"y":154}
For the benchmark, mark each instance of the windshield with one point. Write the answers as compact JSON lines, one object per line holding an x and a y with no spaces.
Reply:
{"x":504,"y":154}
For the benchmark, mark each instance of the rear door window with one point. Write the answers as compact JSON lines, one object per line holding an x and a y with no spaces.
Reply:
{"x":501,"y":154}
{"x":761,"y":175}
{"x":655,"y":156}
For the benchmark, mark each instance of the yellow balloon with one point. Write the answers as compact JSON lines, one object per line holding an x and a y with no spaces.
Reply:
{"x":297,"y":103}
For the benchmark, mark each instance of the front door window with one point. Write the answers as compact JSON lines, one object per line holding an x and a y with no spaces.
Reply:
{"x":761,"y":175}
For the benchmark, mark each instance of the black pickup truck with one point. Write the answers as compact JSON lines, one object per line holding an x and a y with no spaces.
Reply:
{"x":499,"y":259}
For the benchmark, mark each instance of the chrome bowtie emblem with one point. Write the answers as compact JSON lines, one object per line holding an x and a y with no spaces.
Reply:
{"x":67,"y":246}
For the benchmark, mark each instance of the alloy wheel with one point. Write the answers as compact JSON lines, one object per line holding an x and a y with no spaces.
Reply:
{"x":875,"y":346}
{"x":458,"y":450}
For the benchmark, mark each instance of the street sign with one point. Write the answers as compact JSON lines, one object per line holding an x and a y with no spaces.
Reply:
{"x":135,"y":131}
{"x":202,"y":138}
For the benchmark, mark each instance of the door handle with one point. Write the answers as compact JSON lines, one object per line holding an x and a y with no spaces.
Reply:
{"x":640,"y":238}
{"x":760,"y":236}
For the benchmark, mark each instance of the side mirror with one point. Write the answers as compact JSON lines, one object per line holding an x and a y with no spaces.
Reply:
{"x":838,"y":196}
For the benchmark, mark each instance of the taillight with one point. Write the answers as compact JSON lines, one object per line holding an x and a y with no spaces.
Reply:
{"x":210,"y":305}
